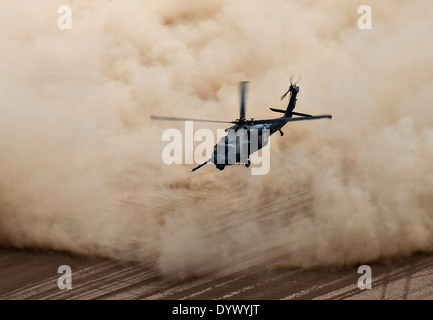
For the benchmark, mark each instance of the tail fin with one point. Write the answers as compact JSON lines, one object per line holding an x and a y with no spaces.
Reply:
{"x":294,"y":89}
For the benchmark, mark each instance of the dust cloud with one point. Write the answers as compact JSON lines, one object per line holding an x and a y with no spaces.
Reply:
{"x":81,"y":166}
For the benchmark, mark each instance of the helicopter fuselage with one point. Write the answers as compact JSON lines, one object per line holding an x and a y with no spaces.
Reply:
{"x":243,"y":140}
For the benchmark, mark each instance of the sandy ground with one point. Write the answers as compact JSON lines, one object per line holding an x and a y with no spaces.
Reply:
{"x":26,"y":274}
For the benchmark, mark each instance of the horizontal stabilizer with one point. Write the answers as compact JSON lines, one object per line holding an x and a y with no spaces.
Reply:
{"x":278,"y":110}
{"x":293,"y":112}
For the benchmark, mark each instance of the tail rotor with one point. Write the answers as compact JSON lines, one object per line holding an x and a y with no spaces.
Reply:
{"x":291,"y":86}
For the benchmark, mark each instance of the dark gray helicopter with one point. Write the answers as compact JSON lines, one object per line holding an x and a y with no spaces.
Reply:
{"x":248,"y":136}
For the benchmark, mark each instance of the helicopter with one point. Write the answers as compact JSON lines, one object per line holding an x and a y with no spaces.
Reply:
{"x":240,"y":142}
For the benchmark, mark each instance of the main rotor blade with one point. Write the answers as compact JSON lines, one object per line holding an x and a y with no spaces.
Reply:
{"x":323,"y":116}
{"x":201,"y":165}
{"x":283,"y":119}
{"x":243,"y":89}
{"x":301,"y":114}
{"x":186,"y":119}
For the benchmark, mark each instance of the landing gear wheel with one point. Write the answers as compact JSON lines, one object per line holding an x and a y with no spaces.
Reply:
{"x":220,"y":167}
{"x":248,"y":164}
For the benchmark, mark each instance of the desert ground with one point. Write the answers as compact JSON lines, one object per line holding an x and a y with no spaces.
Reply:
{"x":28,"y":274}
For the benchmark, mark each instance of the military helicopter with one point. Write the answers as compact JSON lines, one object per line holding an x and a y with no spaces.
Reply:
{"x":235,"y":147}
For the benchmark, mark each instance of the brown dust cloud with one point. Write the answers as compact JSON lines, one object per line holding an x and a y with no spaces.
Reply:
{"x":81,"y":168}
